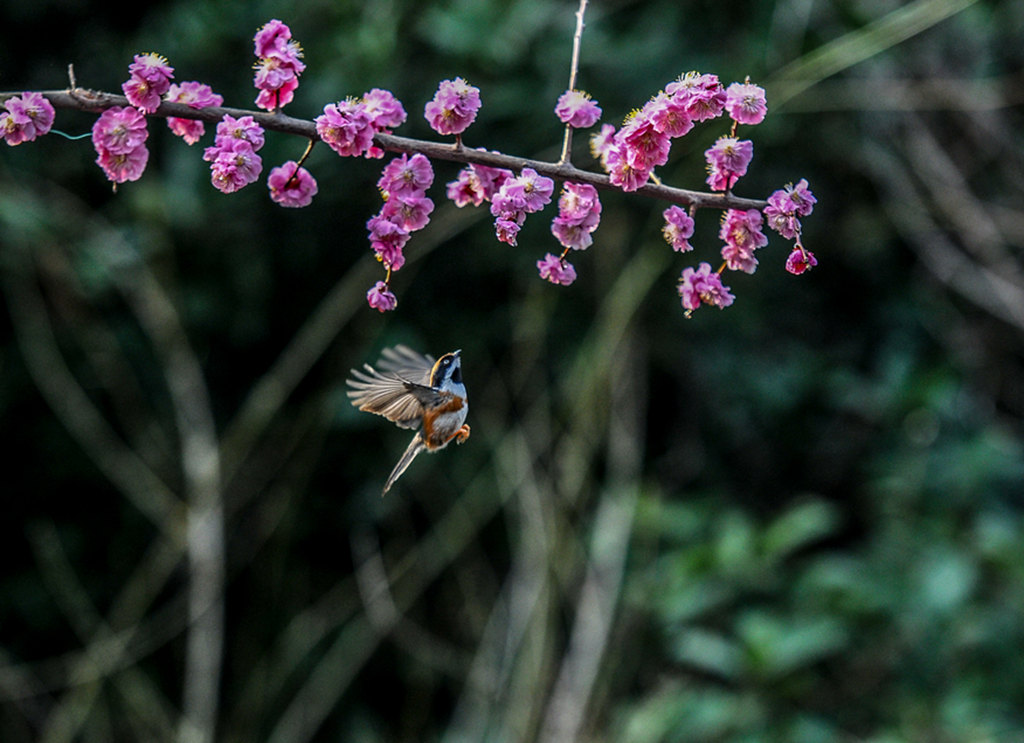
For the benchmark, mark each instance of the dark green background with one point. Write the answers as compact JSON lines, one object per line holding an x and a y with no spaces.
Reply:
{"x":797,"y":519}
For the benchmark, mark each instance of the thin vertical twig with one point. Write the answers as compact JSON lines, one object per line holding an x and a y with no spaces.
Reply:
{"x":574,"y":67}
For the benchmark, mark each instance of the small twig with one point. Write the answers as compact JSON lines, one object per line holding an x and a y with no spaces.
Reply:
{"x":574,"y":67}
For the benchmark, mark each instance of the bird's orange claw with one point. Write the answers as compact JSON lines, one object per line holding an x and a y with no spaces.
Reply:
{"x":462,"y":434}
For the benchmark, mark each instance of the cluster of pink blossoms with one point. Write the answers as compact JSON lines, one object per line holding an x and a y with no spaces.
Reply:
{"x":119,"y":137}
{"x":234,"y":163}
{"x":518,"y":196}
{"x":631,"y":154}
{"x":278,"y":65}
{"x":407,"y":208}
{"x":149,"y":78}
{"x":348,"y":126}
{"x":26,"y":117}
{"x":785,"y":207}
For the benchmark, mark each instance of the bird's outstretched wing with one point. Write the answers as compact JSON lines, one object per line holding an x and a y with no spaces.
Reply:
{"x":407,"y":364}
{"x":397,"y":390}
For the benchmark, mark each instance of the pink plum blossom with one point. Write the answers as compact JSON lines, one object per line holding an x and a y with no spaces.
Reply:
{"x":678,"y":228}
{"x":454,"y":106}
{"x":577,"y":109}
{"x":195,"y":95}
{"x":291,"y":185}
{"x":746,"y":103}
{"x":26,"y":117}
{"x":150,"y":77}
{"x":800,"y":260}
{"x":701,"y":285}
{"x":556,"y":270}
{"x":381,"y":298}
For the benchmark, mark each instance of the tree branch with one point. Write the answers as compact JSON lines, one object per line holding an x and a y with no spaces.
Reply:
{"x":92,"y":101}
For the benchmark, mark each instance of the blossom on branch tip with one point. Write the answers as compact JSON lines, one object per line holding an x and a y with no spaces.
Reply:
{"x":194,"y":95}
{"x":577,"y":109}
{"x":26,"y":117}
{"x":702,"y":285}
{"x":454,"y":107}
{"x":381,"y":298}
{"x":150,"y":77}
{"x":746,"y":103}
{"x":556,"y":270}
{"x":678,"y":228}
{"x":291,"y":185}
{"x":278,"y":65}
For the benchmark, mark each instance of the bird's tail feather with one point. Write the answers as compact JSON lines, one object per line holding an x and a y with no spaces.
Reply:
{"x":414,"y":448}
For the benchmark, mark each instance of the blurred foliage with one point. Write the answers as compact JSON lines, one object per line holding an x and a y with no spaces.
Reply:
{"x":798,"y":519}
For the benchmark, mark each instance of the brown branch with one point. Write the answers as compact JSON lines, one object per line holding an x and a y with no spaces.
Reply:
{"x":93,"y":101}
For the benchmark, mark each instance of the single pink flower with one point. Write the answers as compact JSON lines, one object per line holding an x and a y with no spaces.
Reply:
{"x":383,"y":109}
{"x":800,"y":260}
{"x":27,"y":117}
{"x":728,"y":160}
{"x":234,"y":165}
{"x":123,"y":166}
{"x":381,"y":298}
{"x":746,"y":103}
{"x":556,"y":270}
{"x":346,"y":128}
{"x":195,"y":95}
{"x":701,"y":285}
{"x":678,"y":228}
{"x":410,"y":212}
{"x":291,"y":185}
{"x":454,"y":107}
{"x":407,"y":176}
{"x":150,"y":77}
{"x":577,"y":109}
{"x":230,"y":129}
{"x":119,"y":130}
